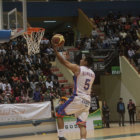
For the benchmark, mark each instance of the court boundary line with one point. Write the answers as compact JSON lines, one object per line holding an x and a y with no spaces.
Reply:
{"x":27,"y":122}
{"x":28,"y":134}
{"x":115,"y":136}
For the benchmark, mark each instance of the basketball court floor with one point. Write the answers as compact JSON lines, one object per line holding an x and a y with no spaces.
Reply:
{"x":114,"y":133}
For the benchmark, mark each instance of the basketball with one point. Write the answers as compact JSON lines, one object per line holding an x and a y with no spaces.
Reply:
{"x":58,"y":39}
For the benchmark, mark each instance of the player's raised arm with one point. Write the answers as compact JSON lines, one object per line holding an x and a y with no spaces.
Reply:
{"x":73,"y":67}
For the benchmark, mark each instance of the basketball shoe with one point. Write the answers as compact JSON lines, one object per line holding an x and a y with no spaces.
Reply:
{"x":62,"y":138}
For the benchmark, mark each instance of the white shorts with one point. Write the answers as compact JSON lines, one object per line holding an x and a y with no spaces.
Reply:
{"x":77,"y":106}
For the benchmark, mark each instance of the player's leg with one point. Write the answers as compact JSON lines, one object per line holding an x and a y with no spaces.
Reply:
{"x":81,"y":122}
{"x":60,"y":124}
{"x":69,"y":107}
{"x":83,"y":132}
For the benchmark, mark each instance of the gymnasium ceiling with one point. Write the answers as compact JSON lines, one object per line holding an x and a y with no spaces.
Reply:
{"x":57,"y":24}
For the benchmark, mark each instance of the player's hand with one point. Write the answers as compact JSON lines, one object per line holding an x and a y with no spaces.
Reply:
{"x":54,"y":46}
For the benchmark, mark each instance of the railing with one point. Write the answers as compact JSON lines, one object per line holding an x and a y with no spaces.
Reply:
{"x":133,"y":65}
{"x":102,"y":58}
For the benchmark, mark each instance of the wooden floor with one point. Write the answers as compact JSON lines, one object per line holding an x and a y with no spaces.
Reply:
{"x":114,"y":133}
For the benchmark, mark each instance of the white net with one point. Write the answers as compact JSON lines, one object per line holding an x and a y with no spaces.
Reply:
{"x":33,"y":38}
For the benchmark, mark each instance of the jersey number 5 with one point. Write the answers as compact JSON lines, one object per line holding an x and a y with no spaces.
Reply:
{"x":87,"y":84}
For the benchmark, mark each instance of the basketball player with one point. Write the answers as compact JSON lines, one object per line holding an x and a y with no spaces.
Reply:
{"x":79,"y":103}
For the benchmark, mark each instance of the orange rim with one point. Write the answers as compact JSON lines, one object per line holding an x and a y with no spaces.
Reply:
{"x":34,"y":29}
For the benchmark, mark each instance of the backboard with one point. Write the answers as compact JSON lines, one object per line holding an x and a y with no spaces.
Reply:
{"x":14,"y":16}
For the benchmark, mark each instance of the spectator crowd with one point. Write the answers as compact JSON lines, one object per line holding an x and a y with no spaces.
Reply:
{"x":24,"y":78}
{"x":115,"y":31}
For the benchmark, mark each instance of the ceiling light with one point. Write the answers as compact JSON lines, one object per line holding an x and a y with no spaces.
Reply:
{"x":49,"y":21}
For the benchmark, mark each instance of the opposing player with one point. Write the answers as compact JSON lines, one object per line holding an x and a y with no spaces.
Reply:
{"x":79,"y":103}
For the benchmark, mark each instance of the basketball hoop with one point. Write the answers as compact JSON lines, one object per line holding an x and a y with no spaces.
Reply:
{"x":33,"y":38}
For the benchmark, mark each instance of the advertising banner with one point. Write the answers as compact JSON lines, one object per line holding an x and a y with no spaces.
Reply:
{"x":20,"y":112}
{"x":95,"y":112}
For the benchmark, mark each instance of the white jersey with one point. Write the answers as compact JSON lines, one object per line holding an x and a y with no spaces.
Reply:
{"x":83,"y":83}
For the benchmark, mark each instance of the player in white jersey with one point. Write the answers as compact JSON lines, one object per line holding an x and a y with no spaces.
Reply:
{"x":79,"y":103}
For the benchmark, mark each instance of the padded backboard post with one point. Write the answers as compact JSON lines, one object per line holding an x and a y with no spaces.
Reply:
{"x":24,"y":5}
{"x":5,"y":35}
{"x":1,"y":15}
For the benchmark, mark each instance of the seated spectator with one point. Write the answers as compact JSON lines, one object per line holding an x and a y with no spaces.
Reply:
{"x":123,"y":19}
{"x":28,"y":60}
{"x":138,"y":42}
{"x":7,"y":91}
{"x":6,"y":84}
{"x":98,"y":44}
{"x":87,"y":44}
{"x":25,"y":98}
{"x":2,"y":69}
{"x":18,"y":99}
{"x":131,"y":54}
{"x":49,"y":90}
{"x":33,"y":84}
{"x":1,"y":86}
{"x":2,"y":50}
{"x":37,"y":95}
{"x":136,"y":57}
{"x":30,"y":92}
{"x":45,"y":41}
{"x":70,"y":91}
{"x":3,"y":78}
{"x":55,"y":83}
{"x":135,"y":23}
{"x":101,"y":27}
{"x":123,"y":34}
{"x":49,"y":83}
{"x":32,"y":72}
{"x":43,"y":88}
{"x":52,"y":94}
{"x":37,"y":65}
{"x":106,"y":43}
{"x":128,"y":39}
{"x":38,"y":71}
{"x":1,"y":98}
{"x":17,"y":84}
{"x":46,"y":70}
{"x":46,"y":96}
{"x":138,"y":33}
{"x":94,"y":33}
{"x":26,"y":76}
{"x":114,"y":39}
{"x":53,"y":76}
{"x":12,"y":99}
{"x":58,"y":92}
{"x":50,"y":53}
{"x":22,"y":78}
{"x":127,"y":26}
{"x":6,"y":98}
{"x":42,"y":78}
{"x":16,"y":92}
{"x":62,"y":88}
{"x":15,"y":77}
